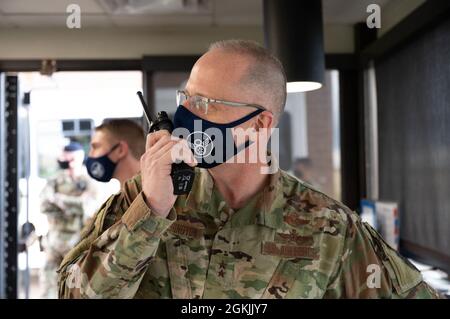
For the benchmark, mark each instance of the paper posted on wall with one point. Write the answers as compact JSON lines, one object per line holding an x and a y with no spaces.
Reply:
{"x":389,"y":222}
{"x":368,"y":212}
{"x":384,"y":217}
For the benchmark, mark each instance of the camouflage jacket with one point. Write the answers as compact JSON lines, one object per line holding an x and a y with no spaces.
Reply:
{"x":64,"y":200}
{"x":289,"y":241}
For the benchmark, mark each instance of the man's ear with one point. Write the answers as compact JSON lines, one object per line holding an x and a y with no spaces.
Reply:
{"x":123,"y":149}
{"x":264,"y":120}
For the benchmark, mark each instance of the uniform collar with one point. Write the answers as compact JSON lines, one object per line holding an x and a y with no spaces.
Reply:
{"x":266,"y":209}
{"x":199,"y":197}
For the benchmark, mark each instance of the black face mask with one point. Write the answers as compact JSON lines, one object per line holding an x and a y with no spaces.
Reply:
{"x":101,"y":168}
{"x":209,"y":151}
{"x":64,"y":164}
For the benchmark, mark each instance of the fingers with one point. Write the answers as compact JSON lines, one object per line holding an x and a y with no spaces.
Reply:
{"x":154,"y":137}
{"x":178,"y":151}
{"x":164,"y":149}
{"x":182,"y":152}
{"x":161,"y":142}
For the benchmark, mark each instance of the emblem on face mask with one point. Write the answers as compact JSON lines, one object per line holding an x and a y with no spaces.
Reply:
{"x":213,"y":149}
{"x":97,"y":170}
{"x":200,"y":143}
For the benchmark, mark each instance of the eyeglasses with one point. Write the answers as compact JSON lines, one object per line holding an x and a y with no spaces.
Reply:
{"x":204,"y":104}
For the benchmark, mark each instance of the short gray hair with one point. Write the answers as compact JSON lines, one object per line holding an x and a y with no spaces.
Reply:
{"x":265,"y":72}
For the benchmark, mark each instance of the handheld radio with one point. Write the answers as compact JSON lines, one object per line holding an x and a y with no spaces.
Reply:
{"x":182,"y":174}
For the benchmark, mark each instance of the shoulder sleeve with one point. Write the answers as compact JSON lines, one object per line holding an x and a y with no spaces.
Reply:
{"x":370,"y":268}
{"x":110,"y":262}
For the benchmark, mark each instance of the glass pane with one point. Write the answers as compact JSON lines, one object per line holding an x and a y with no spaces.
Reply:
{"x":166,"y":84}
{"x":66,"y":106}
{"x":85,"y":125}
{"x":68,"y":125}
{"x":309,"y":137}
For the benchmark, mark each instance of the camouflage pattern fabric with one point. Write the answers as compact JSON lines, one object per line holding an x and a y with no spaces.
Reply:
{"x":289,"y":241}
{"x":63,"y":200}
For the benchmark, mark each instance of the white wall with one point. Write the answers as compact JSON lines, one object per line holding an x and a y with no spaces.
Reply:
{"x":131,"y":43}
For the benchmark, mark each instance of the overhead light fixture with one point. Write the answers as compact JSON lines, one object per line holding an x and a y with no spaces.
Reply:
{"x":132,"y":7}
{"x":302,"y":86}
{"x":294,"y":33}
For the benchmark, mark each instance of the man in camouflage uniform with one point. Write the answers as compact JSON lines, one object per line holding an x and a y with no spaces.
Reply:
{"x":238,"y":233}
{"x":65,"y":199}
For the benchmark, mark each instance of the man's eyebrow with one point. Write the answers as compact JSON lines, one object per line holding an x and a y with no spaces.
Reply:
{"x":194,"y":93}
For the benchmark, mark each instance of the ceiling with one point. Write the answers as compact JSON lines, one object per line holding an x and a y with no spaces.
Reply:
{"x":148,"y":13}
